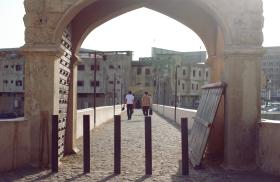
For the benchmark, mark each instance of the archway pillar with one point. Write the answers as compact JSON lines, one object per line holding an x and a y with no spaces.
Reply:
{"x":71,"y":127}
{"x":41,"y":96}
{"x":242,"y":107}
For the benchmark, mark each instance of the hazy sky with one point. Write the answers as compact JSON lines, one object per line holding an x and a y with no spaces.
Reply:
{"x":145,"y":29}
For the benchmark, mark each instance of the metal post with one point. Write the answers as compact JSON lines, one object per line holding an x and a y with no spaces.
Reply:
{"x":117,"y":144}
{"x":121,"y":94}
{"x":86,"y":143}
{"x":94,"y":91}
{"x":114,"y":94}
{"x":148,"y":145}
{"x":175,"y":94}
{"x":163,"y":95}
{"x":55,"y":143}
{"x":185,"y":153}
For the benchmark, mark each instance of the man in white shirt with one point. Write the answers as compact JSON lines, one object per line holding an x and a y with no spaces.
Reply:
{"x":129,"y":100}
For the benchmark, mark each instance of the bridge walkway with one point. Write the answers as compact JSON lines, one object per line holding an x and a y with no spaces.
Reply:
{"x":166,"y":143}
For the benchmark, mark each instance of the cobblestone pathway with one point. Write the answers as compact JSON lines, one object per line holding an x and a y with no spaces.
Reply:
{"x":166,"y":158}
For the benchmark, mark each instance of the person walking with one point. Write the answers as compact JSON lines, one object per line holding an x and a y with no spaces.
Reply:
{"x":146,"y":103}
{"x":129,"y":101}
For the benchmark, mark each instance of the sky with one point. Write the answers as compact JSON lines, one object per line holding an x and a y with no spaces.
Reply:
{"x":145,"y":29}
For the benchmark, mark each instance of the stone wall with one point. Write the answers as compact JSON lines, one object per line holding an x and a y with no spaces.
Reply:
{"x":268,"y":146}
{"x":15,"y":146}
{"x":168,"y":113}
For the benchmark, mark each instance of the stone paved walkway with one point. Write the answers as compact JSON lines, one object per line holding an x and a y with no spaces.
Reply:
{"x":166,"y":158}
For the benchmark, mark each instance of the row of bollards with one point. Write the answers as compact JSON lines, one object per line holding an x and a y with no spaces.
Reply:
{"x":117,"y":144}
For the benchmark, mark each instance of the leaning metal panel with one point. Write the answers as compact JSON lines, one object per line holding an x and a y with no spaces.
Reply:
{"x":209,"y":102}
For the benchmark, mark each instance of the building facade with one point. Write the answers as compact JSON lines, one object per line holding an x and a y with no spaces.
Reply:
{"x":11,"y":83}
{"x":158,"y":75}
{"x":271,"y":69}
{"x":111,"y":73}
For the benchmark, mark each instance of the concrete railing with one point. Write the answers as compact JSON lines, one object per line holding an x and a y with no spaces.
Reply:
{"x":168,"y":112}
{"x":268,"y":146}
{"x":103,"y":114}
{"x":271,"y":115}
{"x":14,"y":142}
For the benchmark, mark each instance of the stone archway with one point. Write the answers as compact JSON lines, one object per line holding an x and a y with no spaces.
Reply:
{"x":231,"y":32}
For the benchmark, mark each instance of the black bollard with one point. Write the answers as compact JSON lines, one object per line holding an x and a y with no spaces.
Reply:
{"x":55,"y":143}
{"x":148,"y":145}
{"x":185,"y":143}
{"x":117,"y":144}
{"x":86,"y":143}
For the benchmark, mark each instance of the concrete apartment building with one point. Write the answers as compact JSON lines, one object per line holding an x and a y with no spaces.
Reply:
{"x":192,"y":73}
{"x":142,"y":79}
{"x":271,"y":69}
{"x":11,"y":82}
{"x":111,"y":67}
{"x":157,"y":75}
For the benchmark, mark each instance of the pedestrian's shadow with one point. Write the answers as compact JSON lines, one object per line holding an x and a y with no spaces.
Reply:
{"x":108,"y":178}
{"x":76,"y":177}
{"x":143,"y":178}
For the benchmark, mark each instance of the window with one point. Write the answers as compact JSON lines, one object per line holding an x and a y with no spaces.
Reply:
{"x":184,"y":72}
{"x":80,"y":83}
{"x":196,"y":86}
{"x":111,"y":67}
{"x":199,"y":73}
{"x":155,"y":83}
{"x":192,"y":86}
{"x":139,"y":71}
{"x":81,"y":67}
{"x":111,"y":82}
{"x":147,"y":71}
{"x":183,"y":86}
{"x":12,"y":81}
{"x":178,"y":82}
{"x":18,"y":83}
{"x":92,"y":67}
{"x":5,"y":81}
{"x":6,"y":66}
{"x":193,"y":73}
{"x":92,"y":83}
{"x":206,"y":74}
{"x":118,"y":82}
{"x":18,"y":67}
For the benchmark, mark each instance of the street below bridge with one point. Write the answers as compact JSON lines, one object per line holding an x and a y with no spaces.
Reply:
{"x":166,"y":148}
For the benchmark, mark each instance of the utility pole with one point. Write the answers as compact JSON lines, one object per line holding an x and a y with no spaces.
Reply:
{"x":176,"y":72}
{"x":163,"y":94}
{"x":114,"y":94}
{"x":94,"y":90}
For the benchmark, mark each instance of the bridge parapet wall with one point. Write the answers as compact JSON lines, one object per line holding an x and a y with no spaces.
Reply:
{"x":168,"y":113}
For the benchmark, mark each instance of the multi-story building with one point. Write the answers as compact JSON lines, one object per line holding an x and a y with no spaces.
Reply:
{"x":271,"y":69}
{"x":11,"y":82}
{"x":112,"y":68}
{"x":142,"y":78}
{"x":190,"y":71}
{"x":158,"y":73}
